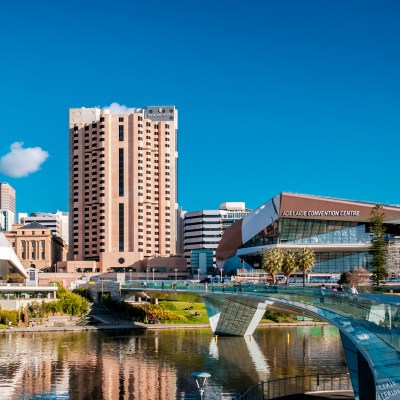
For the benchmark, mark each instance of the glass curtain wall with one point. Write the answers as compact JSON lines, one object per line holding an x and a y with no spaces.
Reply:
{"x":310,"y":231}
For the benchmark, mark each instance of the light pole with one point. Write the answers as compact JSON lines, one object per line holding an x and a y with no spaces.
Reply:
{"x":222,"y":270}
{"x":147,"y":275}
{"x":176,"y":274}
{"x":130,"y":274}
{"x":153,"y":276}
{"x":201,"y":381}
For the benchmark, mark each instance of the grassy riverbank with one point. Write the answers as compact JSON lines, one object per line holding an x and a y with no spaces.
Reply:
{"x":167,"y":312}
{"x":196,"y":313}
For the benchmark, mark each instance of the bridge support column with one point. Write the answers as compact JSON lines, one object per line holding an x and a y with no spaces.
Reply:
{"x":234,"y":315}
{"x":361,"y":375}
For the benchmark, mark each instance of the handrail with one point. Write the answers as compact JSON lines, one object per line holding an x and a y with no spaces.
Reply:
{"x":267,"y":390}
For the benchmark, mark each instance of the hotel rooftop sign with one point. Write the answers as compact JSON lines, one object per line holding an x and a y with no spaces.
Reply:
{"x":165,"y":113}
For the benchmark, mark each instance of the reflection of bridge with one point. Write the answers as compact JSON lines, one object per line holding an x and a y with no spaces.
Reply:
{"x":368,"y":325}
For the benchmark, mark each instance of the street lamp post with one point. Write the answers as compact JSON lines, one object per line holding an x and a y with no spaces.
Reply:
{"x":153,"y":276}
{"x":147,"y":275}
{"x":176,"y":274}
{"x":201,"y":381}
{"x":222,"y":270}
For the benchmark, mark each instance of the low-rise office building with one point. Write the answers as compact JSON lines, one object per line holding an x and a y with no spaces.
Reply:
{"x":203,"y":230}
{"x":338,"y":231}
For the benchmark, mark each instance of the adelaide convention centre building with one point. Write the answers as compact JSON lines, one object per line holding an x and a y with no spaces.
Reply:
{"x":337,"y":230}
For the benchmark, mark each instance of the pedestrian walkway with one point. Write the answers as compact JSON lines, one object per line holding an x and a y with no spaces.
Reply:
{"x":345,"y":395}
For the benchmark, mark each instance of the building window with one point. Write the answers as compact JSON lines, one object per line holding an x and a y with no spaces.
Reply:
{"x":121,"y":227}
{"x":121,"y":172}
{"x":33,"y":247}
{"x":121,"y":133}
{"x":23,"y":243}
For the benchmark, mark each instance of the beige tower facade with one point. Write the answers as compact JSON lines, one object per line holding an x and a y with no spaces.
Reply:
{"x":7,"y":206}
{"x":123,"y":170}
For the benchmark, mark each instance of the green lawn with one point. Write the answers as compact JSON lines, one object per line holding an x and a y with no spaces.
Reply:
{"x":178,"y":307}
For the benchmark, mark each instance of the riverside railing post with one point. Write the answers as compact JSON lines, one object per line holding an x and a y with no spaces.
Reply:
{"x":318,"y":382}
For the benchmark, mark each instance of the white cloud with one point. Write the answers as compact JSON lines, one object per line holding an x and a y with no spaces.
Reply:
{"x":116,"y":108}
{"x":20,"y":162}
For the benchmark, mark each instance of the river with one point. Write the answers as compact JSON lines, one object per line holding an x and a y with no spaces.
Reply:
{"x":157,"y":365}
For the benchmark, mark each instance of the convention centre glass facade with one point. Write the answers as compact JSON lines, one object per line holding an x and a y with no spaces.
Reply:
{"x":308,"y":231}
{"x":299,"y":231}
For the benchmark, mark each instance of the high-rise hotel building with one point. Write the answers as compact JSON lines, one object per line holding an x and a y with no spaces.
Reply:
{"x":123,"y":198}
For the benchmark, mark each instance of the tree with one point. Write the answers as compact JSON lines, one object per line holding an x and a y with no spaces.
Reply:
{"x":378,"y":247}
{"x":289,"y":265}
{"x":345,"y":278}
{"x":305,"y":261}
{"x":272,"y":262}
{"x":358,"y":277}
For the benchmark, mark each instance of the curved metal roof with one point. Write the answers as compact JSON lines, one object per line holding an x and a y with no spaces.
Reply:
{"x":7,"y":254}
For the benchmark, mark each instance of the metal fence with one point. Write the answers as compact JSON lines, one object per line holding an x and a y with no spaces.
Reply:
{"x":277,"y":388}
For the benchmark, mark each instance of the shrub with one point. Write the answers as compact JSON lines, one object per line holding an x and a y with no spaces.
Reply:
{"x":157,"y":312}
{"x":82,"y":291}
{"x":7,"y":315}
{"x":272,"y":316}
{"x":53,"y":307}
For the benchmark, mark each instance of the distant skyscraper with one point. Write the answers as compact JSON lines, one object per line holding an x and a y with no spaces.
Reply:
{"x":7,"y":206}
{"x":203,"y":229}
{"x":123,"y":197}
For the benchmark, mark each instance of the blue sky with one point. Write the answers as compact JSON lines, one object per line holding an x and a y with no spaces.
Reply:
{"x":299,"y":96}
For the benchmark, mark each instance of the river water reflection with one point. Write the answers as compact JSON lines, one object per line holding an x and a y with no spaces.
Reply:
{"x":158,"y":364}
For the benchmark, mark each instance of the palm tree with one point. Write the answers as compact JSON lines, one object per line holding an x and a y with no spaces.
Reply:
{"x":272,"y":262}
{"x":305,"y":261}
{"x":289,"y":265}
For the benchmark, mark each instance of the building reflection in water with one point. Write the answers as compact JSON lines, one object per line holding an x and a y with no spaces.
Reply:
{"x":157,"y":365}
{"x":242,"y":352}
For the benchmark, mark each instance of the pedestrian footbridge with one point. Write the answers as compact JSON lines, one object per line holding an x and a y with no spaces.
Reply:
{"x":368,"y":325}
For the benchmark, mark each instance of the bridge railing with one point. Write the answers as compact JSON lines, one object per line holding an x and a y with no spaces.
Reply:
{"x":297,"y":385}
{"x":378,"y":314}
